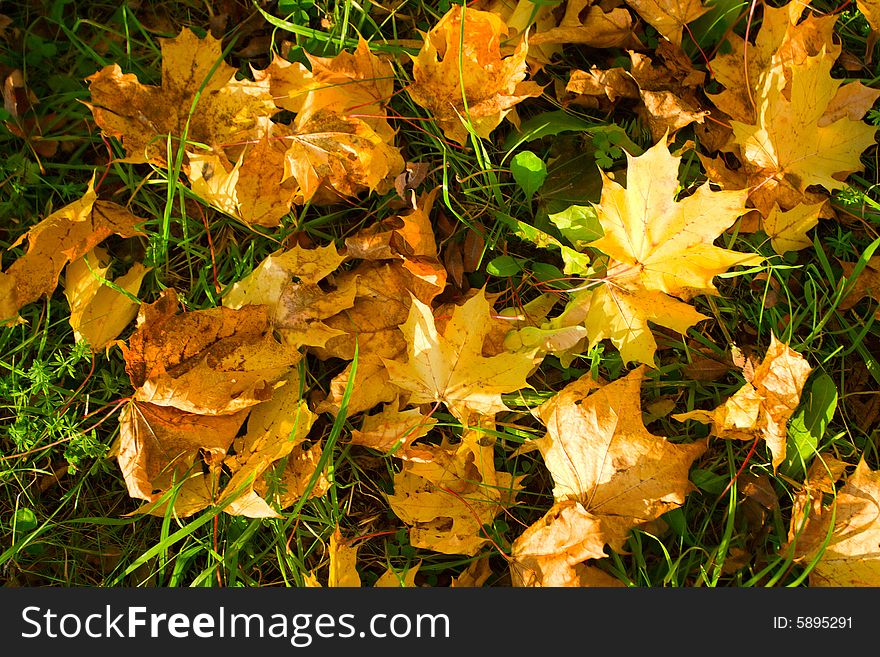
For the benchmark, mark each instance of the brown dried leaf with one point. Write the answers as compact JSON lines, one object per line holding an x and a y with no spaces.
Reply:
{"x":161,"y":446}
{"x":462,"y":57}
{"x":216,"y":361}
{"x":228,"y":111}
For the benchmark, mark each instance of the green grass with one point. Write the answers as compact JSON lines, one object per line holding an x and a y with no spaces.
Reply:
{"x":65,"y":515}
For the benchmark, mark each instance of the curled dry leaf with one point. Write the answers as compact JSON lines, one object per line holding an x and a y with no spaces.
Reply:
{"x":275,"y":429}
{"x":871,"y":11}
{"x":763,"y":406}
{"x":215,"y":362}
{"x":228,"y":110}
{"x":667,"y":90}
{"x":447,"y":499}
{"x":474,"y":576}
{"x":99,"y":313}
{"x":461,"y":77}
{"x":286,"y":284}
{"x":609,"y":473}
{"x":64,"y":236}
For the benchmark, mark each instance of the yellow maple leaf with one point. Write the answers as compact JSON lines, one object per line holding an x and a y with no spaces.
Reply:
{"x":667,"y":242}
{"x":792,"y":124}
{"x":450,"y":367}
{"x":660,"y":248}
{"x":783,"y":41}
{"x":789,"y":139}
{"x":461,"y":77}
{"x":228,"y":111}
{"x":446,"y":499}
{"x":343,"y":563}
{"x":355,"y":84}
{"x":609,"y":474}
{"x":764,"y":405}
{"x":583,"y":24}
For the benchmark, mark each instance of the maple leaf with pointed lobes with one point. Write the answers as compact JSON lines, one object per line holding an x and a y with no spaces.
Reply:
{"x":780,"y":44}
{"x":450,"y":367}
{"x":609,"y":474}
{"x":350,"y":84}
{"x":764,"y":405}
{"x":64,"y":236}
{"x":228,"y":111}
{"x":790,"y":140}
{"x":792,"y":124}
{"x":400,"y":260}
{"x":668,"y":243}
{"x":461,"y":77}
{"x":660,"y":248}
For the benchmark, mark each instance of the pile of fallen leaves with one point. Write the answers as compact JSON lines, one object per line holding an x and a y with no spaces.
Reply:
{"x":221,"y":411}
